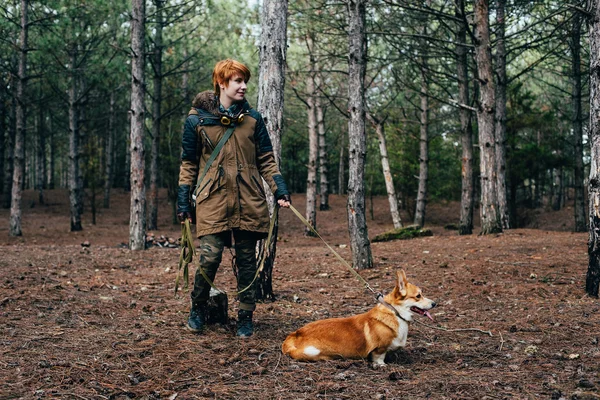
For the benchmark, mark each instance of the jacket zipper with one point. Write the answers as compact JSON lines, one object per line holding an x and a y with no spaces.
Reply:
{"x":205,"y":136}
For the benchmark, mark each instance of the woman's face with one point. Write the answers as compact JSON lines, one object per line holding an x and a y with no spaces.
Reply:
{"x":236,"y":89}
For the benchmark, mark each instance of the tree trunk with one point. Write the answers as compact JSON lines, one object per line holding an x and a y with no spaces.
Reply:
{"x":74,"y":195}
{"x":323,"y":164}
{"x":156,"y":117}
{"x":313,"y":149}
{"x":19,"y":153}
{"x":40,"y":160}
{"x":558,"y":185}
{"x":342,"y":184}
{"x":357,"y":149}
{"x":466,"y":131}
{"x":3,"y":132}
{"x":137,"y":216}
{"x":387,"y":173}
{"x":313,"y":146}
{"x":273,"y":48}
{"x":109,"y":153}
{"x":490,"y":218}
{"x":500,"y":128}
{"x":577,"y":123}
{"x":51,"y":156}
{"x":9,"y":153}
{"x":592,"y":282}
{"x":424,"y":130}
{"x":423,"y":149}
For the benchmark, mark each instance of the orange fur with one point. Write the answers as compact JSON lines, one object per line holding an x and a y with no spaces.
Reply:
{"x":369,"y":334}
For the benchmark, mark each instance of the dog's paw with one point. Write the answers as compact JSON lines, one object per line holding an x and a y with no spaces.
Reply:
{"x":379,"y":365}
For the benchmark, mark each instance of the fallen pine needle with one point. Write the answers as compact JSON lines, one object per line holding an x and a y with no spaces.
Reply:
{"x":455,"y":330}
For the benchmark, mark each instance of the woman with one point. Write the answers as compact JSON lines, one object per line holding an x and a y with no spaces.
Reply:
{"x":228,"y":193}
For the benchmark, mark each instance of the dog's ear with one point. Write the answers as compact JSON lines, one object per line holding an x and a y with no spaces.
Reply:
{"x":401,"y":282}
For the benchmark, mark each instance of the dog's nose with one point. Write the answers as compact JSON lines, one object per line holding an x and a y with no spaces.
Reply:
{"x":433,"y":304}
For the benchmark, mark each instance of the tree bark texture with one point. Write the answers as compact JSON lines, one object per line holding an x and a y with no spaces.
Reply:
{"x":137,"y":217}
{"x":421,"y":202}
{"x":313,"y":151}
{"x":490,"y":218}
{"x":74,"y":153}
{"x":387,"y":172}
{"x":466,"y":132}
{"x":109,"y":153}
{"x":342,"y":183}
{"x":500,"y":127}
{"x":323,"y":164}
{"x":19,"y":153}
{"x":9,"y":150}
{"x":577,"y":123}
{"x":40,"y":160}
{"x":271,"y":84}
{"x":357,"y":149}
{"x":156,"y":117}
{"x":592,"y":282}
{"x":423,"y":149}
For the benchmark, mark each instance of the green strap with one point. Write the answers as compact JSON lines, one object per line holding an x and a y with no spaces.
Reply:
{"x":212,"y":157}
{"x":188,"y":252}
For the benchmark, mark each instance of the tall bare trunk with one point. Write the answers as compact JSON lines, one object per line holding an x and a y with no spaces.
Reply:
{"x":323,"y":165}
{"x":40,"y":160}
{"x":109,"y":153}
{"x":357,"y":150}
{"x":466,"y":131}
{"x":387,"y":173}
{"x":19,"y":166}
{"x":9,"y":150}
{"x":500,"y":127}
{"x":423,"y":149}
{"x":490,"y":218}
{"x":342,"y":183}
{"x":313,"y":149}
{"x":74,"y":153}
{"x":273,"y":48}
{"x":156,"y":117}
{"x":51,"y":155}
{"x":592,"y":282}
{"x":577,"y":123}
{"x":421,"y":202}
{"x":137,"y":216}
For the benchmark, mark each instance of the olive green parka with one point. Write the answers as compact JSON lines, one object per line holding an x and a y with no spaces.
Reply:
{"x":231,"y":194}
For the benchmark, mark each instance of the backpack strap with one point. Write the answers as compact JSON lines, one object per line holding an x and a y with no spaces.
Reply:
{"x":212,"y":157}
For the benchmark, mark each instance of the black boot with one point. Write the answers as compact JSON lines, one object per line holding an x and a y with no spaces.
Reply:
{"x":245,"y":327}
{"x":197,"y":318}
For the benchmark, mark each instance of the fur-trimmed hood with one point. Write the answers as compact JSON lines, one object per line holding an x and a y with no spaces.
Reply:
{"x":209,"y":102}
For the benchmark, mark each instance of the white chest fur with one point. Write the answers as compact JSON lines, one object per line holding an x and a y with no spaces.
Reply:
{"x":400,"y":339}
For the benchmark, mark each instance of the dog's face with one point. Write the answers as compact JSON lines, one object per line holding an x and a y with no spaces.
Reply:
{"x":408,"y":299}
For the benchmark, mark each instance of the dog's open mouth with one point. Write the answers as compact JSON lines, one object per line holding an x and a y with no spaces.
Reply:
{"x":420,"y":311}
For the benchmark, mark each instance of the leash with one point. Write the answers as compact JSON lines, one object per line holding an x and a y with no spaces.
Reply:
{"x":188,"y":251}
{"x":378,"y":295}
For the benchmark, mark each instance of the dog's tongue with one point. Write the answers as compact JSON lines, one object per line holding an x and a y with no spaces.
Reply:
{"x":426,"y":313}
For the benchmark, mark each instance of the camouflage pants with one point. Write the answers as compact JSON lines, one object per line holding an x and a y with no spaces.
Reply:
{"x":211,"y":252}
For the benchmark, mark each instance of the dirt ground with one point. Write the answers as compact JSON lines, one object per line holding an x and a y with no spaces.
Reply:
{"x":102,"y":322}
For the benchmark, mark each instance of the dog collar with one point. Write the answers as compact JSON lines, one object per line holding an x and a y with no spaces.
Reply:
{"x":380,"y":299}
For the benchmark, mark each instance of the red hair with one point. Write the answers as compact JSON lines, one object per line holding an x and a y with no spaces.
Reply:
{"x":225,"y":70}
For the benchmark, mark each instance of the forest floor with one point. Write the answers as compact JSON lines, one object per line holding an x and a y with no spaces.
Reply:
{"x":102,"y":322}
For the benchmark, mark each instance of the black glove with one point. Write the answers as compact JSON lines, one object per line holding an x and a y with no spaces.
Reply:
{"x":184,"y":206}
{"x":285,"y":197}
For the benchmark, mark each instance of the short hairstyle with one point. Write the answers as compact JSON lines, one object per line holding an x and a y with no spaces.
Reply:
{"x":225,"y":70}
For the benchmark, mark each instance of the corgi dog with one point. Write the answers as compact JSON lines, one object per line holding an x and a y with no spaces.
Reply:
{"x":383,"y":328}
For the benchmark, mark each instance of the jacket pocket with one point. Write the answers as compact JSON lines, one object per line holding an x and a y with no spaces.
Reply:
{"x":213,"y":184}
{"x":260,"y":188}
